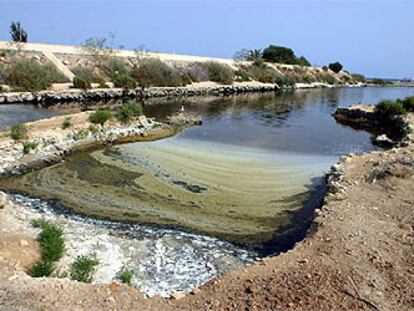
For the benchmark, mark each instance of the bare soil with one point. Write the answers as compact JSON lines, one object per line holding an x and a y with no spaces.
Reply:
{"x":358,"y":255}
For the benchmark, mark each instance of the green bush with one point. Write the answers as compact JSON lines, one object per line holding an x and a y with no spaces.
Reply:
{"x":218,"y":72}
{"x":126,"y":276}
{"x":100,"y":116}
{"x":381,"y":82}
{"x":28,"y":75}
{"x":327,"y":78}
{"x":154,"y":72}
{"x":83,"y":268}
{"x":41,"y":268}
{"x":358,"y":77}
{"x":242,"y":75}
{"x":408,"y":103}
{"x":128,"y":111}
{"x":114,"y":67}
{"x":81,"y":83}
{"x":28,"y":146}
{"x":279,"y":54}
{"x":66,"y":123}
{"x":267,"y":74}
{"x":124,"y":80}
{"x":390,"y":108}
{"x":335,"y":67}
{"x":19,"y":131}
{"x":302,"y":61}
{"x":52,"y":246}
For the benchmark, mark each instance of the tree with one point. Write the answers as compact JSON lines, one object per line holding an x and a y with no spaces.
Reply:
{"x":302,"y":61}
{"x":279,"y":54}
{"x":254,"y":55}
{"x":335,"y":67}
{"x":17,"y":33}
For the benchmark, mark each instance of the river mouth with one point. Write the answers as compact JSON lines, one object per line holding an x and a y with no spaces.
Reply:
{"x":250,"y":177}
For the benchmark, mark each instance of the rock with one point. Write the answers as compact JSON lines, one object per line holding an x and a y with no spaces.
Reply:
{"x":252,"y":289}
{"x":383,"y":141}
{"x":23,"y":243}
{"x":196,"y":291}
{"x":177,"y":295}
{"x":406,"y":227}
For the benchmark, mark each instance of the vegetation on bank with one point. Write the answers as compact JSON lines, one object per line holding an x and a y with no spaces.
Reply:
{"x":52,"y":248}
{"x":19,"y":131}
{"x":102,"y":64}
{"x":387,"y":108}
{"x":128,"y":111}
{"x":100,"y":117}
{"x":83,"y":268}
{"x":125,"y":276}
{"x":28,"y":146}
{"x":28,"y":74}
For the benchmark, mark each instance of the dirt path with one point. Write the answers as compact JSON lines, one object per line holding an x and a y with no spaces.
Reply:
{"x":359,"y":256}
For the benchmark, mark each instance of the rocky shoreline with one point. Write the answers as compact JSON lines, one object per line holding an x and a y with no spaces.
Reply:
{"x":212,"y":89}
{"x":77,"y":95}
{"x":53,"y":143}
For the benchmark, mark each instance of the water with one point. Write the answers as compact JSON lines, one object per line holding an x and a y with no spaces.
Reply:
{"x":11,"y":114}
{"x":250,"y":175}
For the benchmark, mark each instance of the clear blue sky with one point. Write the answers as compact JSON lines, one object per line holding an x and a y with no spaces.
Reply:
{"x":368,"y":36}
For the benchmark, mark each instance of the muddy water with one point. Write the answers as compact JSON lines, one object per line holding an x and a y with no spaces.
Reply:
{"x":251,"y":174}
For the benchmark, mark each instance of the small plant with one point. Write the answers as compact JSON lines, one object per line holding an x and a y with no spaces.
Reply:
{"x":66,"y":123}
{"x":81,"y":83}
{"x":28,"y":146}
{"x":100,"y":117}
{"x":81,"y":134}
{"x":126,"y":275}
{"x":83,"y":268}
{"x":52,"y":247}
{"x":242,"y":75}
{"x":389,"y":108}
{"x":1,"y":206}
{"x":19,"y":131}
{"x":92,"y":128}
{"x":128,"y":111}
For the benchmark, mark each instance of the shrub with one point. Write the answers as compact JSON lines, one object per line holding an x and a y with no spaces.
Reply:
{"x":380,"y":81}
{"x":154,"y":72}
{"x":218,"y":72}
{"x":114,"y":67}
{"x":41,"y":268}
{"x":87,"y":74}
{"x":124,"y":80}
{"x":325,"y":68}
{"x":19,"y":131}
{"x":390,"y":108}
{"x":335,"y":67}
{"x":266,"y":74}
{"x":279,"y":54}
{"x":27,"y":146}
{"x":302,"y":61}
{"x":242,"y":75}
{"x":408,"y":103}
{"x":81,"y":83}
{"x":52,"y":247}
{"x":358,"y":77}
{"x":128,"y":110}
{"x":126,"y":276}
{"x":28,"y":75}
{"x":83,"y":268}
{"x":100,"y":116}
{"x":327,"y":78}
{"x":66,"y":123}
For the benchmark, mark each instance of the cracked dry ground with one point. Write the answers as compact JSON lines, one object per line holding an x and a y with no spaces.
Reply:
{"x":360,"y":255}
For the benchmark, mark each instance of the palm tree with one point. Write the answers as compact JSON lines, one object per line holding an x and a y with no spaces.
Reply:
{"x":17,"y":32}
{"x":254,"y":55}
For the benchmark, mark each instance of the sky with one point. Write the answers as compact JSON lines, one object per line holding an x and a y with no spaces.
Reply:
{"x":372,"y":37}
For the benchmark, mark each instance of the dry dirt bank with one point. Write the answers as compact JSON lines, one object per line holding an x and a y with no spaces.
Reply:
{"x":359,"y":255}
